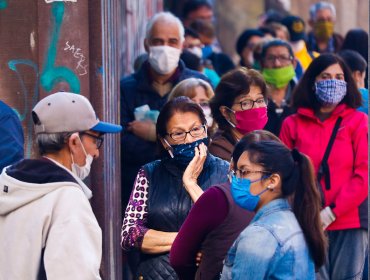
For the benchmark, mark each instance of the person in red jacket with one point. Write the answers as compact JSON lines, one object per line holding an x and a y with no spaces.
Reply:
{"x":326,"y":93}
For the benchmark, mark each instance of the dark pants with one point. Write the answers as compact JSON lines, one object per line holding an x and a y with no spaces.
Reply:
{"x":346,"y":255}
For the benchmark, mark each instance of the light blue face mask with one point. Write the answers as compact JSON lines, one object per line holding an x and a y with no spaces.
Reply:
{"x":241,"y":192}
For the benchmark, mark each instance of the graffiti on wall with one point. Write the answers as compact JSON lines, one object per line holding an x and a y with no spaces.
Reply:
{"x":52,"y":74}
{"x":3,"y":4}
{"x":81,"y":66}
{"x":23,"y":116}
{"x":47,"y":76}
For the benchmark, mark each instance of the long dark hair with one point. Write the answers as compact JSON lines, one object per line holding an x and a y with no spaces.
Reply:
{"x":304,"y":92}
{"x":297,"y":182}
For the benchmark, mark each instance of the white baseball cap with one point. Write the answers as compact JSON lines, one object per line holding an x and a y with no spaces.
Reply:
{"x":68,"y":112}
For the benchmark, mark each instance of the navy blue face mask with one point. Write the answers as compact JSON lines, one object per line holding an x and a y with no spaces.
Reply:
{"x":184,"y":153}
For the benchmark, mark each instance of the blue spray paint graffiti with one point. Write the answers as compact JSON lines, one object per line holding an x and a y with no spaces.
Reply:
{"x":3,"y":4}
{"x":23,"y":115}
{"x":51,"y":74}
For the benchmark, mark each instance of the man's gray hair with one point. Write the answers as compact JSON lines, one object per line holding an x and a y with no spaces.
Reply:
{"x":320,"y":6}
{"x":166,"y":17}
{"x":51,"y":142}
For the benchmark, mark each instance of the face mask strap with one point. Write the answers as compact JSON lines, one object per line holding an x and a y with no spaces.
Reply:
{"x":230,"y":123}
{"x":169,"y":149}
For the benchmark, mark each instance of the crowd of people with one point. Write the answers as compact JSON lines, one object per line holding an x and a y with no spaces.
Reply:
{"x":248,"y":170}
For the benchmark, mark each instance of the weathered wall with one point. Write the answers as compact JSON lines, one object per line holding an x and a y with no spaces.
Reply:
{"x":69,"y":45}
{"x":44,"y":49}
{"x":135,"y":16}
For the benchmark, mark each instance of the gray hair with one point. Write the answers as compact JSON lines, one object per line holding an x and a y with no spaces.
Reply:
{"x":168,"y":18}
{"x":51,"y":142}
{"x":320,"y":6}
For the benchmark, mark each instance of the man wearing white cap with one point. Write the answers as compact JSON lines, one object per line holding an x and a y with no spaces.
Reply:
{"x":47,"y":227}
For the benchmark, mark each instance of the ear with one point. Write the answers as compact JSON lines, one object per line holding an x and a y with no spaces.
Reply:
{"x":73,"y":142}
{"x":224,"y":112}
{"x":274,"y":182}
{"x":357,"y":76}
{"x":295,"y":61}
{"x":146,"y":45}
{"x":310,"y":23}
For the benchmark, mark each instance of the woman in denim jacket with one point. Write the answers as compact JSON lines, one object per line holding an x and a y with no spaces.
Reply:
{"x":285,"y":240}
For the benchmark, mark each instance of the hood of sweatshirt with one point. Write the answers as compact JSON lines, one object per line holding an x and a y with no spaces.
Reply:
{"x":31,"y":179}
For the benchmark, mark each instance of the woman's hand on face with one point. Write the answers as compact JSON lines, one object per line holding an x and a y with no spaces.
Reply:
{"x":195,"y":166}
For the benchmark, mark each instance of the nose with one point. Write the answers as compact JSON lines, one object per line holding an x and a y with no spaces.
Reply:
{"x":277,"y":63}
{"x":188,"y":138}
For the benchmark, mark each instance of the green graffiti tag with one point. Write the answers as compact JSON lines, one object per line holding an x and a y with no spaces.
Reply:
{"x":25,"y":115}
{"x":3,"y":4}
{"x":51,"y":74}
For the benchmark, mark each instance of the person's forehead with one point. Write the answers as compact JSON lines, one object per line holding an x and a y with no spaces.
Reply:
{"x":277,"y":50}
{"x":166,"y":29}
{"x":201,"y":12}
{"x":192,"y":40}
{"x":324,"y":13}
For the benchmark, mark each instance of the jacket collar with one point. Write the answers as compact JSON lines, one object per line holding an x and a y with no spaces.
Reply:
{"x":143,"y":75}
{"x":340,"y":110}
{"x":272,"y":206}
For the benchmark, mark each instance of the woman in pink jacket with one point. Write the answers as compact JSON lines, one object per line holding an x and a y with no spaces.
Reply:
{"x":326,"y":100}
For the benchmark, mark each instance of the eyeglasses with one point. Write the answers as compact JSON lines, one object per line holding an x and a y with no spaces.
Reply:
{"x":98,"y":139}
{"x":195,"y":132}
{"x":249,"y":103}
{"x":244,"y":173}
{"x":282,"y":58}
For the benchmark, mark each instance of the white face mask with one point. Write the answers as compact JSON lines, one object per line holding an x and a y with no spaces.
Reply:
{"x":82,"y":171}
{"x":164,"y":59}
{"x":196,"y":50}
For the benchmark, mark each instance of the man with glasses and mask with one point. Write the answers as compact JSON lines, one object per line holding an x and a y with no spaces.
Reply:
{"x":277,"y":62}
{"x":47,"y":227}
{"x":322,"y":38}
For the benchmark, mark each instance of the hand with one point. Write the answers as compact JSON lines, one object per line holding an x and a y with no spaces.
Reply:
{"x":195,"y":166}
{"x":327,"y":217}
{"x":198,"y":258}
{"x":143,"y":129}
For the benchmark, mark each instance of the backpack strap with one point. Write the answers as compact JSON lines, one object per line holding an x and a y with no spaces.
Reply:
{"x":324,"y":167}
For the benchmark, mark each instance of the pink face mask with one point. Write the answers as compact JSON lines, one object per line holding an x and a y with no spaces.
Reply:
{"x":252,"y":119}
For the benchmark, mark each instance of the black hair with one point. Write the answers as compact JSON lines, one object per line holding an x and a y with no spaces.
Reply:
{"x":233,"y":84}
{"x":243,"y":39}
{"x":354,"y":60}
{"x":191,"y":32}
{"x":357,"y":39}
{"x":297,"y":182}
{"x":193,"y":5}
{"x":181,"y":104}
{"x":276,"y":43}
{"x":191,"y":61}
{"x":267,"y":31}
{"x":304,"y":92}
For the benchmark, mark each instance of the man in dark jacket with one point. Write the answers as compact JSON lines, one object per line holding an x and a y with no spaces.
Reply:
{"x":150,"y":86}
{"x":322,"y":38}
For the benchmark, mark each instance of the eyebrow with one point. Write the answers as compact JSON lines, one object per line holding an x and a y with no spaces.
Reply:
{"x":193,"y":124}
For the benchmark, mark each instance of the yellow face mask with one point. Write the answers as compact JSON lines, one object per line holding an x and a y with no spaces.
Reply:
{"x":323,"y":30}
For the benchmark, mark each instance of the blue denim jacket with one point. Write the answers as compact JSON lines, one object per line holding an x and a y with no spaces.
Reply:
{"x":271,"y":247}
